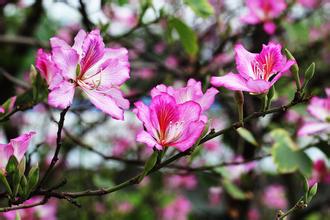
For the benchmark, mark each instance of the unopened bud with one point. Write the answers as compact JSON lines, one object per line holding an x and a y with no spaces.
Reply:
{"x":294,"y":68}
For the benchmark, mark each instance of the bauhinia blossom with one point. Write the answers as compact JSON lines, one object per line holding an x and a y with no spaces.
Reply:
{"x":168,"y":123}
{"x":312,"y":4}
{"x":16,"y":147}
{"x":264,"y":11}
{"x":97,"y":70}
{"x":319,"y":109}
{"x":192,"y":92}
{"x":257,"y":72}
{"x":175,"y":116}
{"x":274,"y":197}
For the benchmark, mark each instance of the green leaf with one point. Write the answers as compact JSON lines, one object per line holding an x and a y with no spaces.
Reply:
{"x":122,"y":2}
{"x":202,"y":8}
{"x":150,"y":163}
{"x":233,"y":190}
{"x":287,"y":156}
{"x":187,"y":36}
{"x":33,"y":178}
{"x":247,"y":135}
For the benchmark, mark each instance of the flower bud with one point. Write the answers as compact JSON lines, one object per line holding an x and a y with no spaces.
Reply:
{"x":309,"y":73}
{"x":294,"y":68}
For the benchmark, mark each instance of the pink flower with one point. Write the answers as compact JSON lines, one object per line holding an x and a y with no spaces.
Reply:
{"x":264,"y":11}
{"x":253,"y":214}
{"x":215,"y":195}
{"x":44,"y":212}
{"x":177,"y":210}
{"x":97,"y":70}
{"x":185,"y":181}
{"x":192,"y":92}
{"x":48,"y":69}
{"x":319,"y":109}
{"x":125,"y":207}
{"x":320,"y":174}
{"x":274,"y":197}
{"x":171,"y":62}
{"x":17,"y":147}
{"x":145,"y":73}
{"x":310,"y":3}
{"x":257,"y":72}
{"x":169,"y":123}
{"x":121,"y":146}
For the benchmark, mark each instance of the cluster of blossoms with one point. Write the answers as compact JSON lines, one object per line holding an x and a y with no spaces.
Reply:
{"x":175,"y":116}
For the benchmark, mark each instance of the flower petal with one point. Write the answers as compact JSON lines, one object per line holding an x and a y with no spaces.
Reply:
{"x":21,"y":144}
{"x":193,"y":131}
{"x":104,"y":102}
{"x":269,"y":27}
{"x":143,"y":113}
{"x":112,"y":69}
{"x":231,"y":81}
{"x":48,"y":69}
{"x":162,"y":89}
{"x":310,"y":128}
{"x":6,"y":150}
{"x":163,"y":110}
{"x":258,"y":86}
{"x":78,"y":42}
{"x":146,"y":138}
{"x":62,"y":95}
{"x":67,"y":61}
{"x":92,"y":50}
{"x":244,"y":60}
{"x":318,"y":108}
{"x":207,"y":99}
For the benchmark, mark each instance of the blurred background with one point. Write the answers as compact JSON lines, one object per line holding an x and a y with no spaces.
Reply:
{"x":169,"y":42}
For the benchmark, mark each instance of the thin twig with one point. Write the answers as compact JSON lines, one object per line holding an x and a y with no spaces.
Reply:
{"x":42,"y":202}
{"x":58,"y":147}
{"x":14,"y":80}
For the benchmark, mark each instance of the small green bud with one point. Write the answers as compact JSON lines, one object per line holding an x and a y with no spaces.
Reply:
{"x":310,"y":72}
{"x":33,"y":73}
{"x":294,"y":68}
{"x":313,"y":191}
